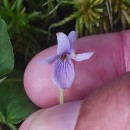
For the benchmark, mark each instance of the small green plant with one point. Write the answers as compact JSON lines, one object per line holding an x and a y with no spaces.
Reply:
{"x":12,"y":95}
{"x":16,"y":16}
{"x":21,"y":25}
{"x":96,"y":16}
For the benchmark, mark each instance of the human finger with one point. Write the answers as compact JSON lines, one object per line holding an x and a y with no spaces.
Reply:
{"x":106,"y":108}
{"x":110,"y":60}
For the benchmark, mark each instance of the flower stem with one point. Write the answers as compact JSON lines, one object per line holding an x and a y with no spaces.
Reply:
{"x":61,"y":96}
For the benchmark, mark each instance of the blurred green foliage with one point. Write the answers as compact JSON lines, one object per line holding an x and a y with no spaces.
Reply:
{"x":6,"y":51}
{"x":14,"y":103}
{"x":23,"y":24}
{"x":32,"y":24}
{"x":16,"y":17}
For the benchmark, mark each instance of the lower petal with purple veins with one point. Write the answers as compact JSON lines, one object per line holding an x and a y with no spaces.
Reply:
{"x":63,"y":74}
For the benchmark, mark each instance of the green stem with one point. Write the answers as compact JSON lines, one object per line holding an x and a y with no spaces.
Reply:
{"x":11,"y":126}
{"x":61,"y":96}
{"x":42,"y":31}
{"x":68,"y":2}
{"x":109,"y":10}
{"x":13,"y":80}
{"x":3,"y":121}
{"x":64,"y":21}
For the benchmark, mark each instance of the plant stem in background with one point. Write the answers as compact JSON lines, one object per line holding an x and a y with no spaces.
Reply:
{"x":64,"y":21}
{"x":109,"y":10}
{"x":11,"y":126}
{"x":123,"y":22}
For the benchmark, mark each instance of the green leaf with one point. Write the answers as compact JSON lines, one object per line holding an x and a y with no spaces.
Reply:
{"x":6,"y":51}
{"x":6,"y":3}
{"x":14,"y":104}
{"x":128,"y":1}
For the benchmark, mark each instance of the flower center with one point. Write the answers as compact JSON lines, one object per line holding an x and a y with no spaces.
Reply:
{"x":63,"y":57}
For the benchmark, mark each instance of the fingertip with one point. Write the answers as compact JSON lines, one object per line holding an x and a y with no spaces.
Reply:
{"x":25,"y":125}
{"x":38,"y":80}
{"x":60,"y":117}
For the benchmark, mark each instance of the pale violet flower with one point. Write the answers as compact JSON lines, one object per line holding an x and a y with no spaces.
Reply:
{"x":63,"y":73}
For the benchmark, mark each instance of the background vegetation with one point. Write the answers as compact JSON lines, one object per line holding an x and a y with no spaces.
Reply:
{"x":32,"y":26}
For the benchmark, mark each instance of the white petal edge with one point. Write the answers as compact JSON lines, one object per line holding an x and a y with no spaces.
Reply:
{"x":63,"y":43}
{"x":48,"y":60}
{"x":82,"y":56}
{"x":72,"y":38}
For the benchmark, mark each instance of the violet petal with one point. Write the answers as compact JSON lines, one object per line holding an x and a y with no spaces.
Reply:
{"x":63,"y":74}
{"x":63,"y":43}
{"x":48,"y":60}
{"x":82,"y":56}
{"x":72,"y":38}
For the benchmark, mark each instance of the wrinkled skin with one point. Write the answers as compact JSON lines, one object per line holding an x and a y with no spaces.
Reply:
{"x":103,"y":82}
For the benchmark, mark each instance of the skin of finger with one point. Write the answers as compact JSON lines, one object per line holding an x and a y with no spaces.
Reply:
{"x":25,"y":125}
{"x":107,"y":108}
{"x":104,"y":66}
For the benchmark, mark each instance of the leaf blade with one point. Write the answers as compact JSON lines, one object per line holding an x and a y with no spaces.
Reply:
{"x":15,"y":106}
{"x":6,"y":51}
